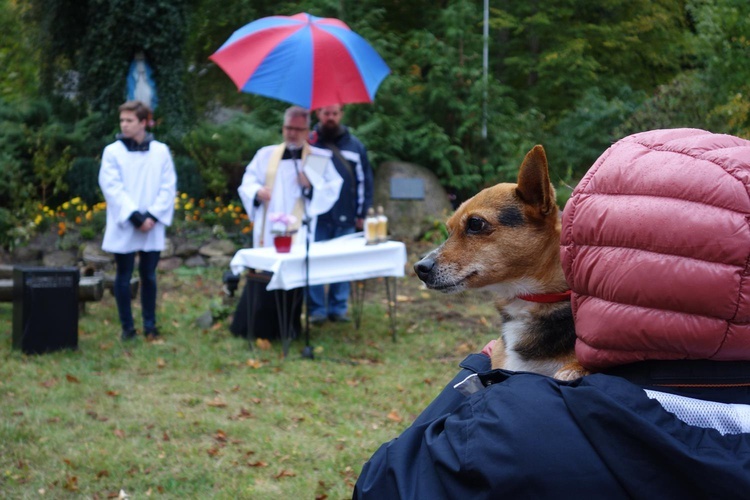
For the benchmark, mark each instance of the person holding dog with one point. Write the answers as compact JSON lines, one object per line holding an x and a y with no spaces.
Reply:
{"x":655,"y":247}
{"x":348,"y":213}
{"x":138,"y":180}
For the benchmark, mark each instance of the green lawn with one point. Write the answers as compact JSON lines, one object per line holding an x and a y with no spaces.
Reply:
{"x":200,"y":415}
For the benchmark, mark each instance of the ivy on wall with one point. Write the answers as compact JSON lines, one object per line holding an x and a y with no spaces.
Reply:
{"x":97,"y":39}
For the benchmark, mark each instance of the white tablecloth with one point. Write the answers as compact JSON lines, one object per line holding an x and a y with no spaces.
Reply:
{"x":342,"y":259}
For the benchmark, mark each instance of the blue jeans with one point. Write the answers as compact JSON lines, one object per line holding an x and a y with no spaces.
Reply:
{"x":338,"y":293}
{"x":147,"y":262}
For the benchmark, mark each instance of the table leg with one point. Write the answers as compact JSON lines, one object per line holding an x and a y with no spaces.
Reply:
{"x":357,"y":292}
{"x":390,"y":291}
{"x":286,"y":303}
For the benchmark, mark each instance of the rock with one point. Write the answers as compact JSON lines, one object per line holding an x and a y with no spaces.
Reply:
{"x":26,"y":255}
{"x":218,"y":248}
{"x":205,"y":320}
{"x":59,"y":258}
{"x":195,"y":261}
{"x":93,"y":255}
{"x":220,"y":261}
{"x":410,"y":219}
{"x":169,"y":264}
{"x":168,"y":248}
{"x":187,"y":249}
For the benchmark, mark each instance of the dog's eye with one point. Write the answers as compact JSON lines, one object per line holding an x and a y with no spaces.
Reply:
{"x":475,"y":225}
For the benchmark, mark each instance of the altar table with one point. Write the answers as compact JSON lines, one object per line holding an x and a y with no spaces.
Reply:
{"x":347,"y":258}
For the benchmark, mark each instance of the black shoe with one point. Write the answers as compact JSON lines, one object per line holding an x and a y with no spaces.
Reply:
{"x":152,"y":334}
{"x":339,"y":318}
{"x":317,"y":320}
{"x":128,"y":334}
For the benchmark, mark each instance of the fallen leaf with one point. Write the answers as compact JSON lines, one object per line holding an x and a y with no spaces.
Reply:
{"x":165,"y":436}
{"x":102,"y":473}
{"x":113,"y":394}
{"x":465,"y":348}
{"x":243,"y":415}
{"x":72,"y":379}
{"x":284,"y":473}
{"x":254,"y":363}
{"x":160,"y":363}
{"x":49,"y":383}
{"x":484,"y":321}
{"x":236,"y":388}
{"x":71,"y":483}
{"x":427,"y":381}
{"x":394,"y":416}
{"x":212,"y":452}
{"x":220,"y":436}
{"x":259,"y":463}
{"x":119,"y":433}
{"x":403,"y":298}
{"x":263,"y":344}
{"x":217,"y":402}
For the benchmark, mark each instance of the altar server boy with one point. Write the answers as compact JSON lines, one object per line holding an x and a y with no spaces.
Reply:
{"x":138,"y":180}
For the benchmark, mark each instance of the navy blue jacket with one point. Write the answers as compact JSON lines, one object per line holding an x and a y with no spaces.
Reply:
{"x":530,"y":436}
{"x":357,"y":189}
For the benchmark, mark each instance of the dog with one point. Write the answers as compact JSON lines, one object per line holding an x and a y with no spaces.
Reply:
{"x":507,"y":239}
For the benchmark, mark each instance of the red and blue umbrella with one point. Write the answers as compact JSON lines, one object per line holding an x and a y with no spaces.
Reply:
{"x":302,"y":59}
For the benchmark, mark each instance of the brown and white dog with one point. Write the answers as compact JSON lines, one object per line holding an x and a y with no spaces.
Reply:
{"x":507,"y":239}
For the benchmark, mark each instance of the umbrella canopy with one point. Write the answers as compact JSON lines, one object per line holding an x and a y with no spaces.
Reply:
{"x":306,"y":60}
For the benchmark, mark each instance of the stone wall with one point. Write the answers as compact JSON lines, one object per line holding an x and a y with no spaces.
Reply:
{"x":179,"y":251}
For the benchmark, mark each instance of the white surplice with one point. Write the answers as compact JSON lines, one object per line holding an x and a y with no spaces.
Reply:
{"x":137,"y":181}
{"x":286,"y":191}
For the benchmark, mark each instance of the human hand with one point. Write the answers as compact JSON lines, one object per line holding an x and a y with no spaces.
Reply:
{"x":487,"y":350}
{"x":263,"y":194}
{"x":304,"y":181}
{"x":147,"y":225}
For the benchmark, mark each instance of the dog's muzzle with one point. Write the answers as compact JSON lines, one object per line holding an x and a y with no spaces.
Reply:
{"x":424,"y":268}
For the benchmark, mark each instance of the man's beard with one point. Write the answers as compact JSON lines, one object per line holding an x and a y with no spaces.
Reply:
{"x":329,"y":130}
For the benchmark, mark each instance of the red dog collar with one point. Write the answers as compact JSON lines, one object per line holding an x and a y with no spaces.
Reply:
{"x":546,"y":298}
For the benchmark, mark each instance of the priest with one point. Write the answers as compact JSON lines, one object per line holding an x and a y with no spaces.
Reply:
{"x":292,"y":178}
{"x":281,"y":179}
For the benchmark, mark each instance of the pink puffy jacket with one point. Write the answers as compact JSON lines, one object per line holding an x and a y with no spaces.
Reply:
{"x":656,"y":248}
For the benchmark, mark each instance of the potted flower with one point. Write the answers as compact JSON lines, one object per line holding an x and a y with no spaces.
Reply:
{"x":283,"y":226}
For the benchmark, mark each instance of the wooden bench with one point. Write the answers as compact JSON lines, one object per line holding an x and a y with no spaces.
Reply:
{"x":90,"y":288}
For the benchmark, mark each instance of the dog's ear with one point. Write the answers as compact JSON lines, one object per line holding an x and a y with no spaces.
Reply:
{"x":534,"y":187}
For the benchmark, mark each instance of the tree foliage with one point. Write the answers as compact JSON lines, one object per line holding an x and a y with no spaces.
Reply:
{"x":573,"y":75}
{"x":88,"y":46}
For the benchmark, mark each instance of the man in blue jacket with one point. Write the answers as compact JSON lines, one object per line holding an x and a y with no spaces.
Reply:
{"x":348,"y":213}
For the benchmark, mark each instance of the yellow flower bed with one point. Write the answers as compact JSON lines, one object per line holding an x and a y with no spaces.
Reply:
{"x":189,"y":213}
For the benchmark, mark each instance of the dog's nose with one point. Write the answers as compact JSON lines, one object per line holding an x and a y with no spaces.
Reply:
{"x":423,"y":267}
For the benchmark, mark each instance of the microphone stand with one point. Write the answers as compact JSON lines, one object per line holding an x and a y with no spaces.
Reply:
{"x":307,"y":351}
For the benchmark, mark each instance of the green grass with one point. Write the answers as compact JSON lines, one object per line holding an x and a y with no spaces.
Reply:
{"x":196,"y":417}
